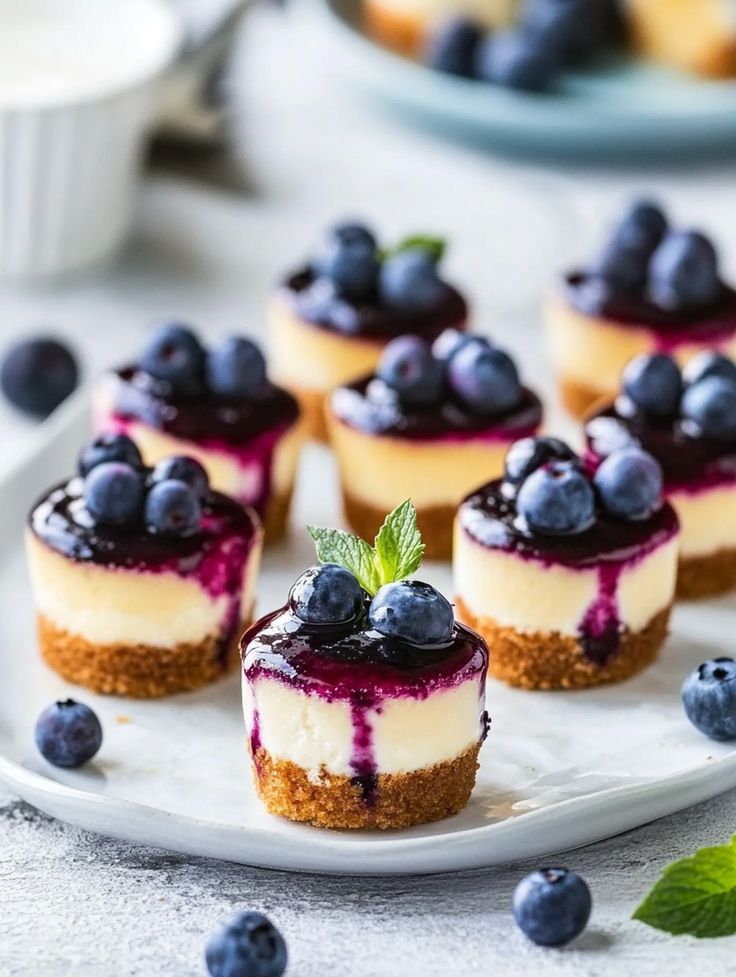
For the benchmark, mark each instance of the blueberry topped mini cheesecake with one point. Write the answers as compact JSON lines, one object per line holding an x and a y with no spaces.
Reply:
{"x":143,"y":578}
{"x":331,"y":318}
{"x":215,"y":405}
{"x":652,"y":289}
{"x":363,"y":697}
{"x":570,"y":577}
{"x":432,"y":423}
{"x":687,"y":421}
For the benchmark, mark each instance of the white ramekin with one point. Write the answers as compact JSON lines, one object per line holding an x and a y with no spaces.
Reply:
{"x":71,"y":133}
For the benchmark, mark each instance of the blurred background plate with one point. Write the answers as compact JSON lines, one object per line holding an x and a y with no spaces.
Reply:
{"x":622,"y":107}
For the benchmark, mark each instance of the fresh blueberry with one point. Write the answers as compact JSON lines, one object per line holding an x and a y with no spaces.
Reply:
{"x":453,"y":45}
{"x":709,"y":698}
{"x":516,"y":59}
{"x":320,"y":302}
{"x":68,"y":734}
{"x":349,"y":260}
{"x":36,"y":375}
{"x":408,"y":366}
{"x":412,"y":611}
{"x":629,"y":484}
{"x":108,"y":447}
{"x":652,"y":382}
{"x":709,"y":364}
{"x":572,"y":28}
{"x":683,"y":272}
{"x":327,"y":594}
{"x":484,"y":378}
{"x":528,"y":454}
{"x":175,"y":355}
{"x":625,"y":259}
{"x":557,"y":499}
{"x":608,"y":434}
{"x":643,"y":227}
{"x":409,"y":281}
{"x":182,"y":468}
{"x":709,"y":406}
{"x":173,"y":509}
{"x":624,"y":268}
{"x":249,"y":945}
{"x":235,"y":368}
{"x":113,"y":494}
{"x":552,"y":906}
{"x":449,"y":342}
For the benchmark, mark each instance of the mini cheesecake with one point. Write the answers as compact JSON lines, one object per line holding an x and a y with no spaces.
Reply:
{"x":694,"y":35}
{"x":564,"y":608}
{"x":135,"y":610}
{"x":405,"y":25}
{"x":415,"y":431}
{"x":331,"y":319}
{"x":363,"y":712}
{"x":245,"y":431}
{"x":698,"y":462}
{"x":637,"y":297}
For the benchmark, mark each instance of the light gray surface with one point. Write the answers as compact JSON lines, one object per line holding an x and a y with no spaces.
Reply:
{"x":72,"y":905}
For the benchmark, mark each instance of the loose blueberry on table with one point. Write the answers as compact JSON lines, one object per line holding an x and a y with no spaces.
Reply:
{"x":552,"y":906}
{"x":36,"y":375}
{"x":709,"y":698}
{"x":248,"y":945}
{"x":68,"y":734}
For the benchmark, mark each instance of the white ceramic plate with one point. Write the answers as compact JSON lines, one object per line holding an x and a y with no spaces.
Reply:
{"x":558,"y":770}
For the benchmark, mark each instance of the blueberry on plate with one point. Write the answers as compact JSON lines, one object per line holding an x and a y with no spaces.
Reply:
{"x":108,"y":447}
{"x":175,"y":355}
{"x":409,"y":282}
{"x":173,"y":509}
{"x":68,"y":734}
{"x":249,"y":945}
{"x":652,"y":382}
{"x":629,"y":484}
{"x":235,"y":368}
{"x":557,"y":499}
{"x":449,"y":342}
{"x":709,"y":698}
{"x":709,"y":363}
{"x":182,"y":468}
{"x":683,"y":272}
{"x":36,"y":375}
{"x":113,"y":494}
{"x":709,"y":407}
{"x":453,"y":45}
{"x":408,"y":367}
{"x":349,"y":260}
{"x":412,"y":611}
{"x":327,"y":594}
{"x":516,"y":59}
{"x":528,"y":454}
{"x":484,"y":378}
{"x":552,"y":906}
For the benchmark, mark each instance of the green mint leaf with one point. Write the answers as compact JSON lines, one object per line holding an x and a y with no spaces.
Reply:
{"x":399,"y":547}
{"x":696,"y":895}
{"x":351,"y":552}
{"x":434,"y":246}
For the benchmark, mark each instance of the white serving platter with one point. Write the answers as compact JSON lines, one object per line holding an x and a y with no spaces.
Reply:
{"x":559,"y":770}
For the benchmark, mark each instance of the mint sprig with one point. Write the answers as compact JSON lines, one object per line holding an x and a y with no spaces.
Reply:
{"x":397,"y":551}
{"x":695,"y":895}
{"x":434,"y":246}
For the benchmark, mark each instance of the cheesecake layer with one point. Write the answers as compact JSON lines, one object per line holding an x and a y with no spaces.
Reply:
{"x":695,"y":35}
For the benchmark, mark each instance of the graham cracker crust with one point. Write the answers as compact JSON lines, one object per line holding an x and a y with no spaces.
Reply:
{"x":400,"y":32}
{"x":400,"y":800}
{"x":578,"y":398}
{"x":276,"y":517}
{"x":706,"y":576}
{"x":549,"y":660}
{"x":435,"y":524}
{"x":137,"y":671}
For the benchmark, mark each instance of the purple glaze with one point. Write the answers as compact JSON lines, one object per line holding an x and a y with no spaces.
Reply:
{"x":690,"y":463}
{"x":449,"y":420}
{"x":609,"y":547}
{"x":710,"y":326}
{"x":361,"y":667}
{"x":372,"y":320}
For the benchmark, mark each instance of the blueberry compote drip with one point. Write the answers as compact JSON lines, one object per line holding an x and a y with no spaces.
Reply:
{"x":371,"y":318}
{"x":354,"y":664}
{"x":705,"y":325}
{"x":355,"y":405}
{"x":609,"y":547}
{"x":215,"y":557}
{"x":245,"y":428}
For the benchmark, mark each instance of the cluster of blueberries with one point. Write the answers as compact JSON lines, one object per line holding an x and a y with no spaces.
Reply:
{"x":352,"y":269}
{"x":676,"y":270}
{"x":552,"y":35}
{"x":702,"y":397}
{"x":119,"y":491}
{"x":407,"y":610}
{"x":555,"y":496}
